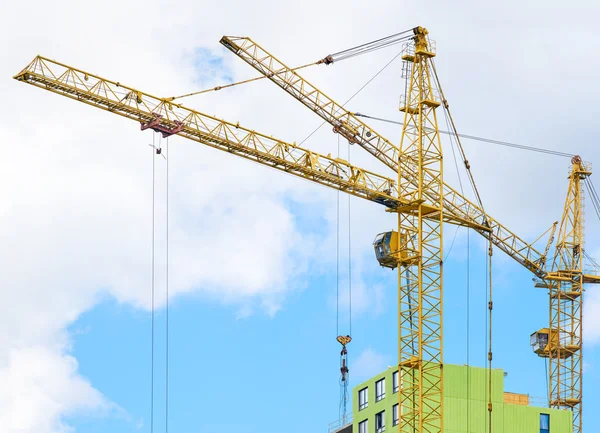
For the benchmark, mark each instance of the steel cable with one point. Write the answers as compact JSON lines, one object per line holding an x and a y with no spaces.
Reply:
{"x":335,"y":57}
{"x":376,"y":43}
{"x":460,"y":184}
{"x":354,"y":95}
{"x":337,"y":243}
{"x":349,"y":254}
{"x":594,"y":196}
{"x":375,"y":47}
{"x":152,"y":285}
{"x":476,"y":138}
{"x":167,"y":306}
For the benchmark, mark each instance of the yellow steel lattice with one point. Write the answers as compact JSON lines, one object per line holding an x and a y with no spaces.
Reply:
{"x":154,"y":112}
{"x":458,"y":209}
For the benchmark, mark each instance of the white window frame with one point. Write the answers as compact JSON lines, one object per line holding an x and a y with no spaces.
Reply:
{"x":364,"y":404}
{"x":380,"y":396}
{"x":395,"y":384}
{"x":380,"y":422}
{"x":395,"y":417}
{"x":363,"y":426}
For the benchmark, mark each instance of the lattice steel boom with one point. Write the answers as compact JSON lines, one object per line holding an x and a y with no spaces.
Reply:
{"x":161,"y":115}
{"x":458,"y":209}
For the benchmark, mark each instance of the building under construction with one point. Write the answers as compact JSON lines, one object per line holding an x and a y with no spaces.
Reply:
{"x":375,"y":405}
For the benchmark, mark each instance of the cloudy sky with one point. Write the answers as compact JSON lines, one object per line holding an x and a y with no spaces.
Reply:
{"x":252,"y":251}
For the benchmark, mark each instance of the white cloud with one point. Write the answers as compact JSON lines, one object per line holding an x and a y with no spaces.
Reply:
{"x":591,"y":316}
{"x":75,"y":218}
{"x":367,"y":364}
{"x":39,"y":387}
{"x":367,"y":298}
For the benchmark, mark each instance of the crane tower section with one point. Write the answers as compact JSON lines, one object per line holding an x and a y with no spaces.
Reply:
{"x":561,"y":343}
{"x":420,"y":225}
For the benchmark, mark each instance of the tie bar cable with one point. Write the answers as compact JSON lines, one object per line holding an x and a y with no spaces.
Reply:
{"x":327,"y":60}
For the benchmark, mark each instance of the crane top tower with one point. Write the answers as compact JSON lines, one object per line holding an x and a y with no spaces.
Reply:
{"x":561,"y":342}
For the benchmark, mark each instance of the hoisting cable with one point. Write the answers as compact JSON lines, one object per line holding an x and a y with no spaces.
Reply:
{"x":368,"y":47}
{"x":476,"y":138}
{"x":152,"y":306}
{"x":591,"y":260}
{"x":460,"y":184}
{"x":490,"y":309}
{"x":593,"y":196}
{"x":327,"y":60}
{"x":354,"y":95}
{"x":337,"y":257}
{"x":468,"y":278}
{"x":343,"y":340}
{"x":337,"y":294}
{"x":596,"y":204}
{"x":225,"y":86}
{"x":460,"y":147}
{"x":157,"y":150}
{"x":487,"y":300}
{"x":468,"y":330}
{"x":547,"y":386}
{"x":167,"y":303}
{"x":349,"y":254}
{"x":347,"y":370}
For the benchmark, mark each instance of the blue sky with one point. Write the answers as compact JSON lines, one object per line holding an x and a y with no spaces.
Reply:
{"x":262,"y":373}
{"x":253,"y":280}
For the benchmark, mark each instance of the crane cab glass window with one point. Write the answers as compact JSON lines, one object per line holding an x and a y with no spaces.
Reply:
{"x":382,"y":245}
{"x":385,"y":245}
{"x":539,"y":341}
{"x":544,"y":423}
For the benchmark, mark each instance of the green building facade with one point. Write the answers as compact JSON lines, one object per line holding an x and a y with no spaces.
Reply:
{"x":465,"y":408}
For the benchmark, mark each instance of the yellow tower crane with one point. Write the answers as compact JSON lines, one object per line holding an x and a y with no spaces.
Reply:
{"x":561,"y":343}
{"x":416,"y":249}
{"x":416,"y":192}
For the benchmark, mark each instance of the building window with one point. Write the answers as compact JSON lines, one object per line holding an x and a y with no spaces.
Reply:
{"x":395,"y":414}
{"x":380,"y":422}
{"x":379,"y":389}
{"x":395,"y":381}
{"x":363,"y":399}
{"x":544,"y":423}
{"x":362,"y":426}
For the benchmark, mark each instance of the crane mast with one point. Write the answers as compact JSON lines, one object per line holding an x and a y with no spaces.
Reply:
{"x":562,"y":342}
{"x":566,"y":306}
{"x":420,"y":224}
